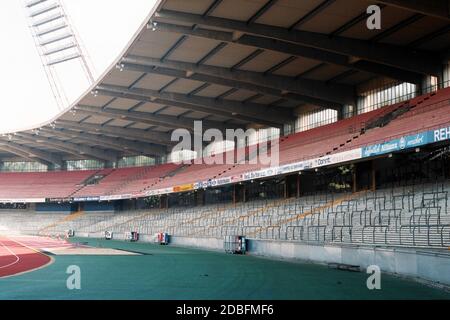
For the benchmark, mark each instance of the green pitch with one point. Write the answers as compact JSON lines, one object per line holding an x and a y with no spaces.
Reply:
{"x":165,"y":272}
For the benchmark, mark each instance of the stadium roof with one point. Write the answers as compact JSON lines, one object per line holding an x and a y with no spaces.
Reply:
{"x":234,"y":63}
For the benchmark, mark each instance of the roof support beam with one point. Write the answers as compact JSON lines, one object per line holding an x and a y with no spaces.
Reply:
{"x":296,"y":50}
{"x":430,"y":37}
{"x":185,"y":106}
{"x":172,"y":122}
{"x":70,"y":147}
{"x":310,"y":15}
{"x":110,"y":142}
{"x":237,"y":79}
{"x":391,"y":55}
{"x":39,"y":154}
{"x":134,"y":134}
{"x":339,"y":94}
{"x":255,"y":112}
{"x":399,"y":26}
{"x":435,"y":8}
{"x":31,"y":153}
{"x":22,"y":155}
{"x":269,"y":4}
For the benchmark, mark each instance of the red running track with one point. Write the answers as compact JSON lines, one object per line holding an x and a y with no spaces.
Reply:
{"x":17,"y":258}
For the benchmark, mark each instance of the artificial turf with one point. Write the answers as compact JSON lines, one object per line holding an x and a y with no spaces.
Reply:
{"x":167,"y":272}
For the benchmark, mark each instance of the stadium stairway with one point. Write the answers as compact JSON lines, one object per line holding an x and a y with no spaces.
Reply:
{"x":248,"y":158}
{"x":93,"y":180}
{"x":128,"y":221}
{"x":129,"y":180}
{"x":316,"y":210}
{"x":211,"y":213}
{"x":205,"y":214}
{"x":228,"y":221}
{"x":71,"y":217}
{"x":389,"y":114}
{"x":167,"y":175}
{"x":87,"y":181}
{"x":426,"y":113}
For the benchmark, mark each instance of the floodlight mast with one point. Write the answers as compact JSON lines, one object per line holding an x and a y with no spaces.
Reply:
{"x":57,"y":42}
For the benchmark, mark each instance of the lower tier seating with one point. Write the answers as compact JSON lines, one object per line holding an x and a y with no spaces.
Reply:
{"x":412,"y":216}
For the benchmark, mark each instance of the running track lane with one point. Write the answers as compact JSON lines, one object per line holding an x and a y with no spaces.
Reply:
{"x":16,"y":258}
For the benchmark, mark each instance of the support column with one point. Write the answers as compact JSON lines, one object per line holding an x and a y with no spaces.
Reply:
{"x":287,"y":129}
{"x":234,"y":194}
{"x":445,"y":79}
{"x":340,"y":113}
{"x":285,"y":188}
{"x":200,"y":197}
{"x":110,"y":164}
{"x":374,"y":177}
{"x":429,"y":84}
{"x":298,"y":186}
{"x":348,"y":111}
{"x":354,"y":177}
{"x":164,"y":201}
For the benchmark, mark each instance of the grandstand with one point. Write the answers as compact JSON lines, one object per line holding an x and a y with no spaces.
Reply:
{"x":359,"y":120}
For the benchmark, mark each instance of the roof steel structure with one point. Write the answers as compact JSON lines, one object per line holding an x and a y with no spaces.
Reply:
{"x":235,"y":63}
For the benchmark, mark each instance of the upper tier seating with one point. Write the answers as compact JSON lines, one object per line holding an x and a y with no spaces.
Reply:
{"x":126,"y":180}
{"x":427,"y":112}
{"x":419,"y":114}
{"x":151,"y":176}
{"x":42,"y":184}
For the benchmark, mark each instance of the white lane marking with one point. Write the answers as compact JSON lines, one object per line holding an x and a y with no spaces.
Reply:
{"x":12,"y":263}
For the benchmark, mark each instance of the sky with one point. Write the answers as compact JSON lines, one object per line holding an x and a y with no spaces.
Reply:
{"x":104,"y":27}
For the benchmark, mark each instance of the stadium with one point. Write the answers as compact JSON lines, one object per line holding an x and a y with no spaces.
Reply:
{"x":241,"y":150}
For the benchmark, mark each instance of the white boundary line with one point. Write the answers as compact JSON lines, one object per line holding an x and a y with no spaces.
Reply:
{"x":30,"y":270}
{"x":12,"y":263}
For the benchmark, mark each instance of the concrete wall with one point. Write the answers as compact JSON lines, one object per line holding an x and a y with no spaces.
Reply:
{"x":201,"y":243}
{"x":416,"y":263}
{"x":428,"y":265}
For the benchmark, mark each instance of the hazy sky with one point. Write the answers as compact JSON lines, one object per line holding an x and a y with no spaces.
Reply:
{"x":104,"y":26}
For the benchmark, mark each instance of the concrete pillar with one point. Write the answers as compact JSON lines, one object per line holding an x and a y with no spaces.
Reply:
{"x":429,"y":84}
{"x":285,"y":188}
{"x":200,"y":197}
{"x":445,"y":78}
{"x":164,"y":201}
{"x":110,"y":164}
{"x":348,"y":111}
{"x":373,"y":177}
{"x":287,"y":129}
{"x":340,"y":113}
{"x":354,"y":178}
{"x":298,"y":186}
